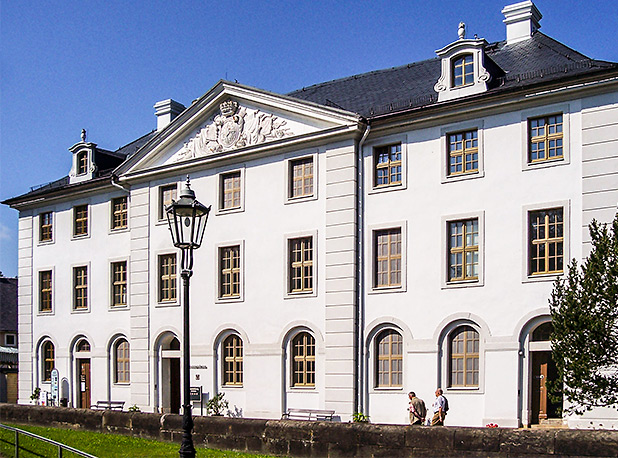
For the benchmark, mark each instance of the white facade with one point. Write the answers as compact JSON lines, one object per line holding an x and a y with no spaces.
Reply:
{"x":342,"y":215}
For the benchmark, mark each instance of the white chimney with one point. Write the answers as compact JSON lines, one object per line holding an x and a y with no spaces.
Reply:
{"x":166,"y":111}
{"x":522,"y":20}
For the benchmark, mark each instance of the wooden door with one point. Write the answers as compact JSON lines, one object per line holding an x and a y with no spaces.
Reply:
{"x":84,"y":383}
{"x":174,"y":385}
{"x":540,"y":361}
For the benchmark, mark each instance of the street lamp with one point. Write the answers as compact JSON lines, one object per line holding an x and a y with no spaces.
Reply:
{"x":187,"y":221}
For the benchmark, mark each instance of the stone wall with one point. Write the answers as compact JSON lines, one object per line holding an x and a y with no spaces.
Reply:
{"x":325,"y":439}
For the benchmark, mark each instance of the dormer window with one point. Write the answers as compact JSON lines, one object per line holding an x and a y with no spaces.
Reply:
{"x":82,"y":163}
{"x":463,"y":70}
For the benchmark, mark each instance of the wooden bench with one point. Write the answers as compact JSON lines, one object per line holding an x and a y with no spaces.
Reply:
{"x":308,"y":414}
{"x":108,"y":405}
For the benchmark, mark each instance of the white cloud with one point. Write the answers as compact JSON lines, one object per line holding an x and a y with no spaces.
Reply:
{"x":5,"y":233}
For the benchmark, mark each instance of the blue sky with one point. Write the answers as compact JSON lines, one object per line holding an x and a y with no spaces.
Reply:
{"x":102,"y":65}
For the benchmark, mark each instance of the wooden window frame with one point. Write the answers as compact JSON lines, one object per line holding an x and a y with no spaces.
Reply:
{"x":389,"y":258}
{"x":462,"y":61}
{"x":546,"y":242}
{"x":119,"y":276}
{"x":464,"y":249}
{"x":230,"y":271}
{"x":48,"y":357}
{"x":80,"y":220}
{"x":165,"y":199}
{"x":304,"y":163}
{"x":393,"y":166}
{"x":546,"y":138}
{"x":80,"y":288}
{"x":81,"y":163}
{"x":122,"y":361}
{"x":119,"y":213}
{"x":301,"y":268}
{"x":227,"y":195}
{"x":393,"y":375}
{"x":167,"y":273}
{"x":469,"y":148}
{"x":46,"y":227}
{"x":232,"y":361}
{"x":303,"y":361}
{"x":46,"y":291}
{"x":465,"y":357}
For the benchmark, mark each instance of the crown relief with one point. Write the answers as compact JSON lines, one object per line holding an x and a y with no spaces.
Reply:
{"x":233,"y":127}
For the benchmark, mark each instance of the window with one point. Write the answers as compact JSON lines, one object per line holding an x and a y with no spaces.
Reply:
{"x":166,"y":195}
{"x":301,"y":265}
{"x":47,"y":353}
{"x":387,"y":249}
{"x":303,"y":360}
{"x":46,"y":231}
{"x":167,"y":278}
{"x":545,"y":138}
{"x":464,"y":357}
{"x":463,"y":250}
{"x":80,"y":220}
{"x":232,"y":361}
{"x":122,"y":361}
{"x":463,"y":70}
{"x":119,"y":213}
{"x":230,"y":190}
{"x":45,"y":291}
{"x":119,"y":283}
{"x":10,"y":340}
{"x":546,"y":241}
{"x":229,"y":276}
{"x":82,"y":163}
{"x":82,"y":346}
{"x":387,"y":161}
{"x":389,"y":363}
{"x":301,"y":177}
{"x":463,"y":152}
{"x":80,"y":288}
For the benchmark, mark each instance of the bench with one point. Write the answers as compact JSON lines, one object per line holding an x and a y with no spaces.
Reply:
{"x":308,"y":414}
{"x":108,"y":405}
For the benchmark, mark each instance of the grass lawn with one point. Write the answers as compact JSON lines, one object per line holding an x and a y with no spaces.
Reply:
{"x":98,"y":444}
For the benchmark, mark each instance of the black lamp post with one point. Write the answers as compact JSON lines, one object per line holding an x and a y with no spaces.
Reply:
{"x":187,"y":221}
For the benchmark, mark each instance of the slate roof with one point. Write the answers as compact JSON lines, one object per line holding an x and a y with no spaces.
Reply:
{"x":540,"y":59}
{"x":8,"y":304}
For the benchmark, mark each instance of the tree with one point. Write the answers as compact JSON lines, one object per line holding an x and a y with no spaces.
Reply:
{"x":584,"y":310}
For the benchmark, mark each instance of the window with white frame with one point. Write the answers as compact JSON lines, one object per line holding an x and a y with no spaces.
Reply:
{"x":45,"y":291}
{"x":463,"y":255}
{"x":389,"y":359}
{"x":48,"y":360}
{"x":229,"y":272}
{"x":119,"y":216}
{"x":546,"y":241}
{"x":463,"y":70}
{"x":167,"y":278}
{"x":231,"y":191}
{"x":463,"y":354}
{"x":80,"y":288}
{"x":46,"y":227}
{"x":300,"y":265}
{"x":387,"y":257}
{"x":301,"y":175}
{"x":463,"y":152}
{"x":232,"y":361}
{"x":387,"y":165}
{"x":119,"y":283}
{"x":167,"y":194}
{"x":122,"y":361}
{"x":303,"y":360}
{"x":545,"y":138}
{"x":80,"y":220}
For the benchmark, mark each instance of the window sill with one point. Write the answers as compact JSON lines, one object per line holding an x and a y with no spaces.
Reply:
{"x":463,"y":389}
{"x":546,"y":163}
{"x":118,"y":307}
{"x":301,"y":294}
{"x":226,"y":211}
{"x":45,"y":242}
{"x":302,"y":388}
{"x":80,"y":236}
{"x":386,"y":188}
{"x":122,"y":384}
{"x":227,"y":300}
{"x":300,"y":199}
{"x":45,"y":313}
{"x":167,"y":304}
{"x":233,"y":387}
{"x":80,"y":310}
{"x":119,"y":230}
{"x":543,"y":277}
{"x":462,"y":284}
{"x":463,"y":176}
{"x":387,"y":289}
{"x":387,"y":389}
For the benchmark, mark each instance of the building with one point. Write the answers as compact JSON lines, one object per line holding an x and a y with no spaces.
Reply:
{"x":390,"y":231}
{"x":8,"y":339}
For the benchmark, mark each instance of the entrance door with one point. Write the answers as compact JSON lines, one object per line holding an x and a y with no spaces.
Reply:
{"x":543,"y":369}
{"x":174,"y":385}
{"x":84,"y":383}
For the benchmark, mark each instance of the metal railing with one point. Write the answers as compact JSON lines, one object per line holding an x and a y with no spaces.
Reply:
{"x":61,"y":447}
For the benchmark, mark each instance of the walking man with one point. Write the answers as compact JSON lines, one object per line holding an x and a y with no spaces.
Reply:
{"x":439,"y":408}
{"x":418,"y":411}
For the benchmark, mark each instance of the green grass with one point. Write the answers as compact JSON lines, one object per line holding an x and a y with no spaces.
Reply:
{"x":98,"y":444}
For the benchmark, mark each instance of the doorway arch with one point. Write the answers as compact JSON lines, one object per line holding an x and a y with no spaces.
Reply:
{"x":168,"y":386}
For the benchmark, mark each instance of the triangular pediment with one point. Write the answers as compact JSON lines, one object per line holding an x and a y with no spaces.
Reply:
{"x":232,"y":119}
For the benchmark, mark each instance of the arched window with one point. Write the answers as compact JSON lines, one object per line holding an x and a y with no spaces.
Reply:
{"x":463,"y":70}
{"x":303,"y":360}
{"x":464,"y":357}
{"x":542,"y":333}
{"x":389,"y":361}
{"x":232,"y":361}
{"x":82,"y":346}
{"x":48,"y":353}
{"x":122,"y":363}
{"x":82,"y":163}
{"x":174,"y":344}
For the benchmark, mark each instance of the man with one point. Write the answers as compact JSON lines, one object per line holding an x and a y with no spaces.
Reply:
{"x":418,"y":411}
{"x":439,"y":409}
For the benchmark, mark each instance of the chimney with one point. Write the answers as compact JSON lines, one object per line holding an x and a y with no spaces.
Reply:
{"x":522,"y":20}
{"x":166,"y":111}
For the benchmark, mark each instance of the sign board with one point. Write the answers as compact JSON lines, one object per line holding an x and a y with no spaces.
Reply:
{"x":55,"y":378}
{"x":195,"y":393}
